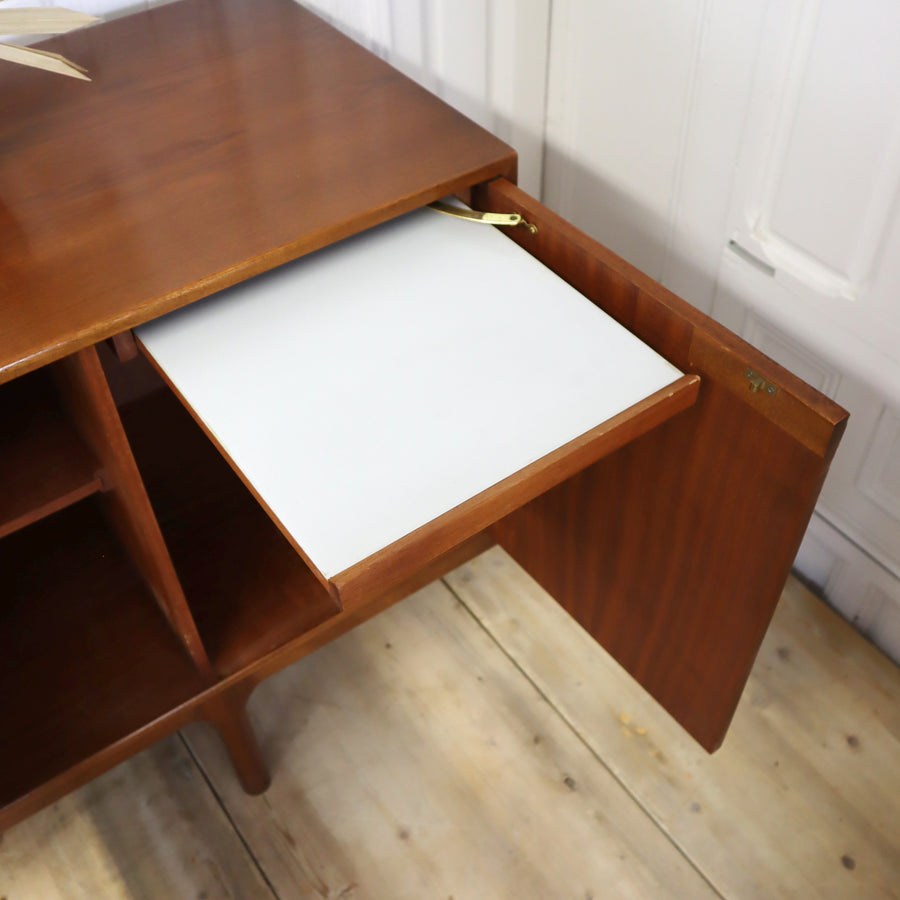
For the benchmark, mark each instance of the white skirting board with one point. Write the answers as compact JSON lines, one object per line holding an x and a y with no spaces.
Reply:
{"x":862,"y":590}
{"x":370,"y":387}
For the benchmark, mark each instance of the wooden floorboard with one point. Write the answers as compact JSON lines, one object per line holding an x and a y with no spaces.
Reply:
{"x":149,"y":829}
{"x":412,"y":760}
{"x":802,"y":800}
{"x":472,"y":742}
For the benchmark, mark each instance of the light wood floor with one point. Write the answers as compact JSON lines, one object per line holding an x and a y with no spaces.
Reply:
{"x":473,"y":743}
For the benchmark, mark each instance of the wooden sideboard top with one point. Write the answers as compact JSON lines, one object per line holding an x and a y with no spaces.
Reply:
{"x":218,"y":138}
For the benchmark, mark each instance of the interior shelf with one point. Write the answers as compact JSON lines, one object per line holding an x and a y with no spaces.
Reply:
{"x":86,"y":658}
{"x":248,"y":589}
{"x":46,"y":465}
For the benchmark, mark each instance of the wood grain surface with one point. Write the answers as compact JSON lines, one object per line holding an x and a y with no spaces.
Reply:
{"x":410,"y":760}
{"x":46,"y":466}
{"x":89,"y":403}
{"x":88,"y":664}
{"x":218,"y":138}
{"x":90,"y":670}
{"x":147,"y":830}
{"x":673,"y":551}
{"x":803,"y":798}
{"x":248,"y":590}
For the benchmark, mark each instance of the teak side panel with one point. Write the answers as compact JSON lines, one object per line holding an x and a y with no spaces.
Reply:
{"x":673,"y":551}
{"x":217,"y":139}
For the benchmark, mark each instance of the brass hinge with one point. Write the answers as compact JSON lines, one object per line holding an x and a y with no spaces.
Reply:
{"x":758,"y":383}
{"x":487,"y":218}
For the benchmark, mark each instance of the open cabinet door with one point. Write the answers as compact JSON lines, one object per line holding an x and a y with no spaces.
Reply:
{"x":673,"y":551}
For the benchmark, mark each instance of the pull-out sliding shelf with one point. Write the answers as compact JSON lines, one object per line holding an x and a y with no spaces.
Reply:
{"x":390,"y":396}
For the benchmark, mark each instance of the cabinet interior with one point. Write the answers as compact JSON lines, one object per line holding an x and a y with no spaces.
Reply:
{"x":89,"y":660}
{"x":51,"y":465}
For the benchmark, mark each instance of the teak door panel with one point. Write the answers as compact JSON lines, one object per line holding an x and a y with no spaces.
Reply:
{"x":673,"y":551}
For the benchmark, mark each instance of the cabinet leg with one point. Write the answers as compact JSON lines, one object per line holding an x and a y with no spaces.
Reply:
{"x":228,"y":713}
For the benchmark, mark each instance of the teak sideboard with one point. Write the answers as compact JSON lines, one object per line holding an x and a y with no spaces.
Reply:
{"x":143,"y":584}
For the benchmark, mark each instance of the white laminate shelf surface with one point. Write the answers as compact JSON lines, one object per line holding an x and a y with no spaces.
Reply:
{"x":372,"y":386}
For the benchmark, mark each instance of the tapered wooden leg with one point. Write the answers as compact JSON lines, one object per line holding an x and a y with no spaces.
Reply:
{"x":228,"y":712}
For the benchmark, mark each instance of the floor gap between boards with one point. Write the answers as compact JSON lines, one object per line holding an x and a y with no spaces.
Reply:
{"x":581,"y":738}
{"x":229,"y":818}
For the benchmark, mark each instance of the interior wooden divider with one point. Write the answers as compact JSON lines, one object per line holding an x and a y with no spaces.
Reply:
{"x":248,"y":590}
{"x":86,"y":395}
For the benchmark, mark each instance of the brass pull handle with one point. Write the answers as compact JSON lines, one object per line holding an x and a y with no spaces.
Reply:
{"x":488,"y":218}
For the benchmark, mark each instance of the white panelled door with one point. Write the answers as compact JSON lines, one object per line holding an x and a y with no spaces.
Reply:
{"x":812,"y":271}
